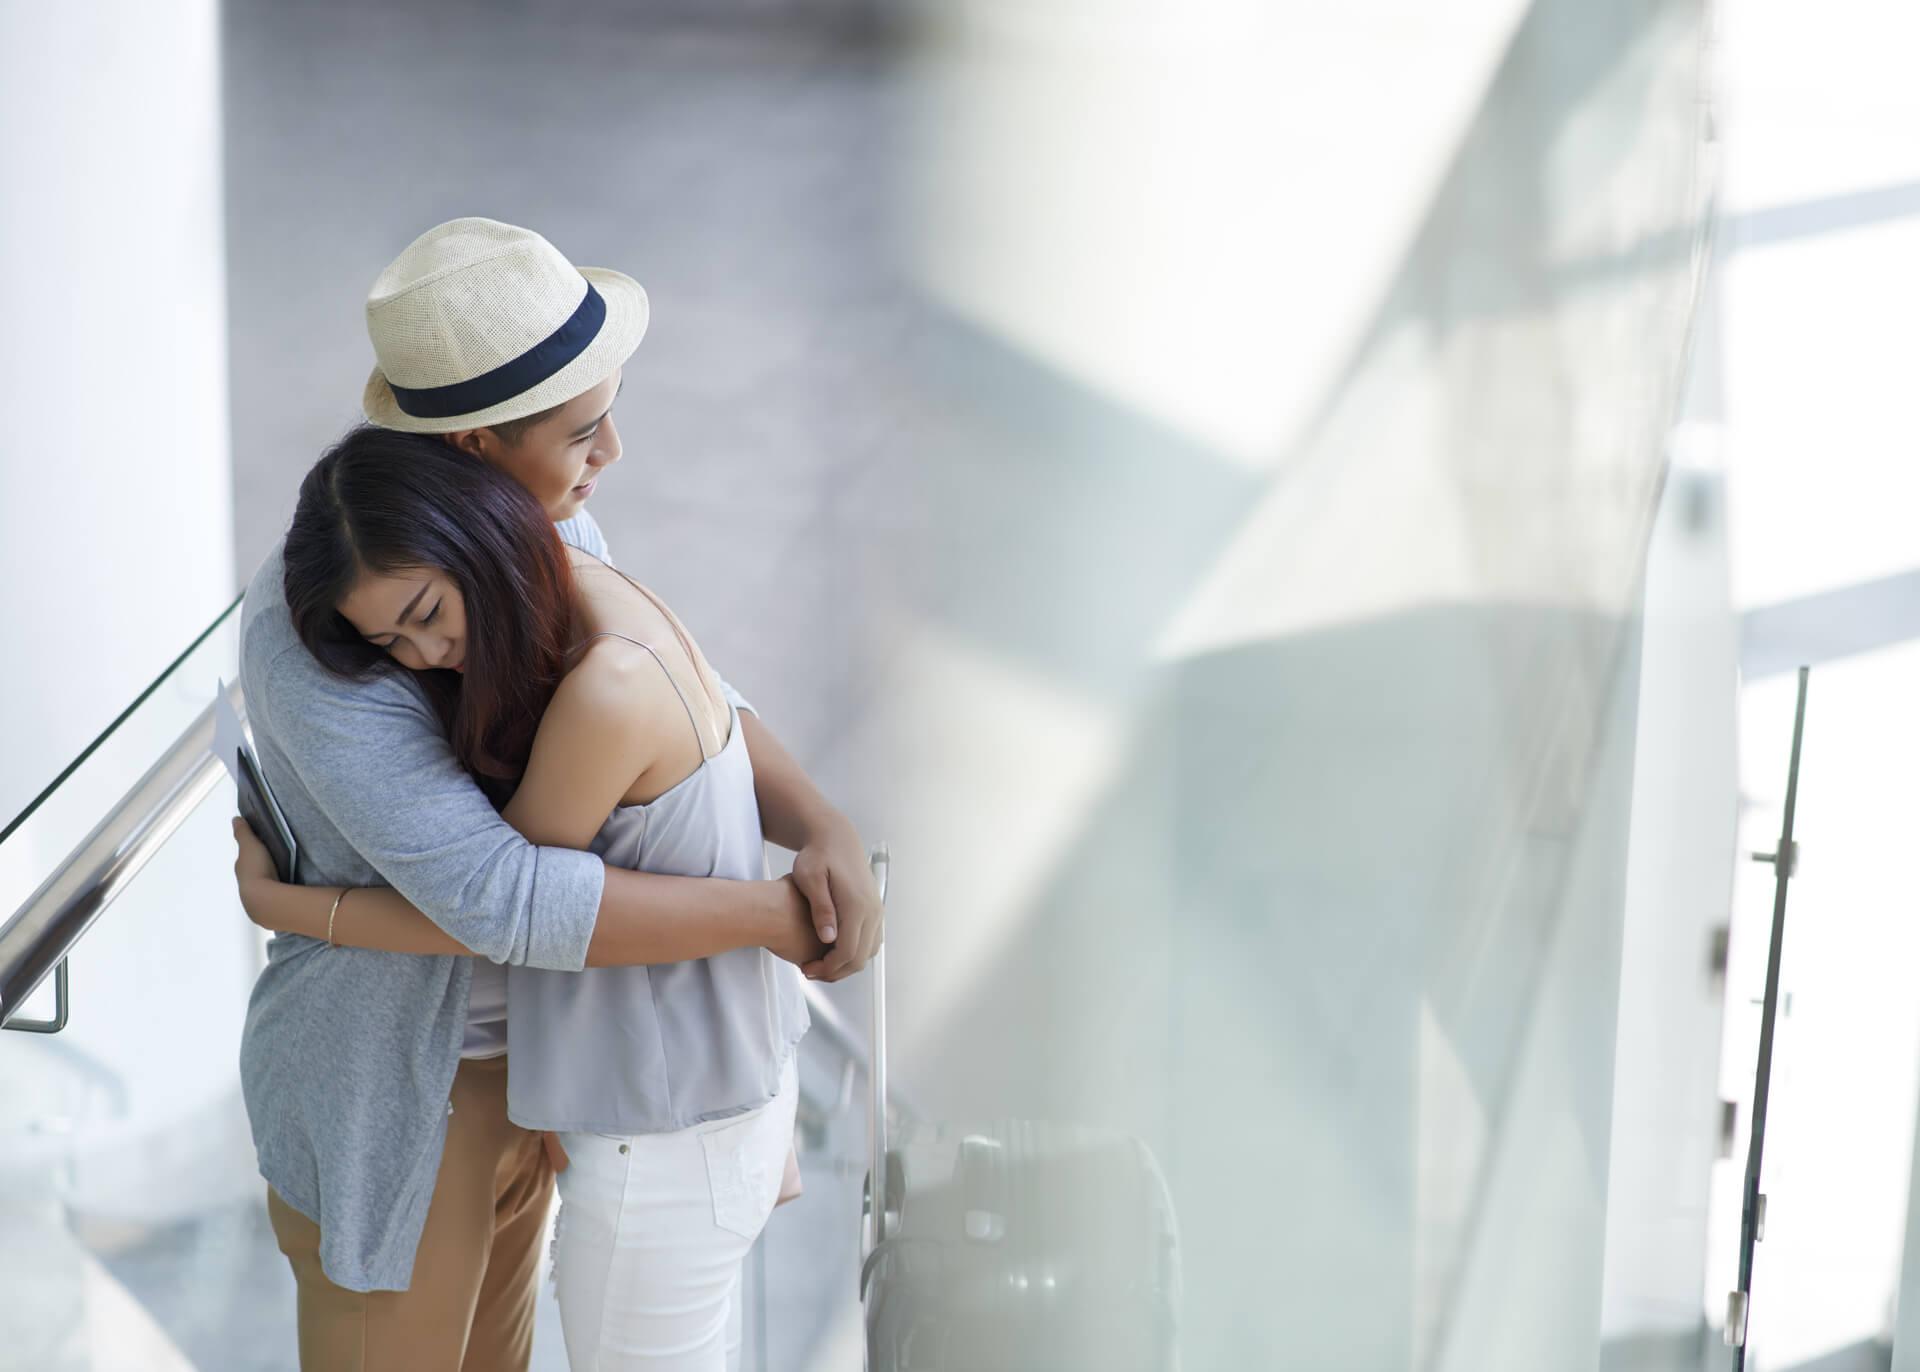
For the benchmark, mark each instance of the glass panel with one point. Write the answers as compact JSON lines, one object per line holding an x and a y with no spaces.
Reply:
{"x":132,"y":1230}
{"x":1286,"y":664}
{"x":69,"y":803}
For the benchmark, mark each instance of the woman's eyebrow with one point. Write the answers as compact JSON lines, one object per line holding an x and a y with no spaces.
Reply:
{"x":406,"y":613}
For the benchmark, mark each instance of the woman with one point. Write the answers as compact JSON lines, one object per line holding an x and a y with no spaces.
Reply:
{"x":581,"y":705}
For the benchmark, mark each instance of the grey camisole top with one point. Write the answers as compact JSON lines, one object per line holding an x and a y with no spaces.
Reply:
{"x":646,"y":1050}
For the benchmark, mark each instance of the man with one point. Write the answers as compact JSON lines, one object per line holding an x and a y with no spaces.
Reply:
{"x":410,"y":1207}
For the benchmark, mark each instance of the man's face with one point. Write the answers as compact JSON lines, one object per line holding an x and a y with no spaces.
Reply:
{"x":560,"y":459}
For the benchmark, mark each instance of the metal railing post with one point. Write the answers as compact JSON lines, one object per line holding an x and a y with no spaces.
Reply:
{"x":1753,"y":1204}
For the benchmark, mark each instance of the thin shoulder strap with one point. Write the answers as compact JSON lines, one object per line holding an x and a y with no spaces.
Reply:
{"x":694,"y":723}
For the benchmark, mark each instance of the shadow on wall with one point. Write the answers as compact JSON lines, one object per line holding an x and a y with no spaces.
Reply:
{"x":1281,"y":818}
{"x":1319,"y":959}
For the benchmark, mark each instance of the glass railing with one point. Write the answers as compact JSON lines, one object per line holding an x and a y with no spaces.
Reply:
{"x":128,"y":1207}
{"x":133,"y":1225}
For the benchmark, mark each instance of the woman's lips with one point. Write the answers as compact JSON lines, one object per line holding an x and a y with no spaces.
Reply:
{"x":585,"y":488}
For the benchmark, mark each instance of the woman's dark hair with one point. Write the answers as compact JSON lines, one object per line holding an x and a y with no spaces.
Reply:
{"x":382,"y":501}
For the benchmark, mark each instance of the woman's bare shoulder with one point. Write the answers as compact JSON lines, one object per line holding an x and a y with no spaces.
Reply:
{"x":614,"y":608}
{"x":613,"y":676}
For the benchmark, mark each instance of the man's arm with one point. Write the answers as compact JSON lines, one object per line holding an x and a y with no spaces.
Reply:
{"x":830,"y":863}
{"x":372,"y":757}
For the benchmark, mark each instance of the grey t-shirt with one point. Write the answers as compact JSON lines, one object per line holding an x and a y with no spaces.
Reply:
{"x":348,"y":1055}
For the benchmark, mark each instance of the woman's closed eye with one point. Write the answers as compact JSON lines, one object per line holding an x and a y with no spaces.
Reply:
{"x":426,"y":621}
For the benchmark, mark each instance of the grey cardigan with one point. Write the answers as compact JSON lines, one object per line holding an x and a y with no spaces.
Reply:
{"x":348,"y":1055}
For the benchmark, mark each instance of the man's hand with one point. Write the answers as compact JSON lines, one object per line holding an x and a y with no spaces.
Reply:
{"x":794,"y":938}
{"x":832,"y":872}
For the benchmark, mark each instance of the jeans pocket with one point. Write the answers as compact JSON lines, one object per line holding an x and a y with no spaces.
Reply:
{"x":743,"y":1174}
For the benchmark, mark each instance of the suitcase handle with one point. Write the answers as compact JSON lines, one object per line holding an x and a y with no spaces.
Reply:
{"x":874,"y":1227}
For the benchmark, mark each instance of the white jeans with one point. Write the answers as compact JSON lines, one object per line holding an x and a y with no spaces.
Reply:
{"x":653,"y":1230}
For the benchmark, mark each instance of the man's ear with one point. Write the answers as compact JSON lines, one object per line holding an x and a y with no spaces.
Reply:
{"x":480,"y":443}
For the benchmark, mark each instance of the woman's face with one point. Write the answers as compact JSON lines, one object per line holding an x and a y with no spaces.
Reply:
{"x":417,"y":615}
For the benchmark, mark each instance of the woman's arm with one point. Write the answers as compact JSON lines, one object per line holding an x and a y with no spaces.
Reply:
{"x":599,"y":735}
{"x":686,"y":917}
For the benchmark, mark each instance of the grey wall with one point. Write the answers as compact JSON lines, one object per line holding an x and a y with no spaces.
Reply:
{"x":735,"y":170}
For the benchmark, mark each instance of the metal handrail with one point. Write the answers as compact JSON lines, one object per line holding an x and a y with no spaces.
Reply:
{"x":44,"y":930}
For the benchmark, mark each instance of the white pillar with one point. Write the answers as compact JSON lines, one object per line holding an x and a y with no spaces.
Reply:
{"x":115,"y":550}
{"x":115,"y":513}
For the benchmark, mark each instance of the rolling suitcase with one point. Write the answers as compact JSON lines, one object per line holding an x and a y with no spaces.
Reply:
{"x":1012,"y":1245}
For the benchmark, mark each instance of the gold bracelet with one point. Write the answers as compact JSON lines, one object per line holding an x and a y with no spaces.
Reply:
{"x":331,"y":913}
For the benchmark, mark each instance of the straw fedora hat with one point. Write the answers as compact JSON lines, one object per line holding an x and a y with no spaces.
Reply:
{"x":479,"y":322}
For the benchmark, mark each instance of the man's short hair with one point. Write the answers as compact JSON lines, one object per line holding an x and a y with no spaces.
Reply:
{"x":511,"y":431}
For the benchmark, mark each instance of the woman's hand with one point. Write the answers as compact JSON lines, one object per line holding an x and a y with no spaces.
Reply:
{"x":252,"y":868}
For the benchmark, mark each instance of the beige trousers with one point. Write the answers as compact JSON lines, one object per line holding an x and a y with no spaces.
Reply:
{"x":470,"y":1305}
